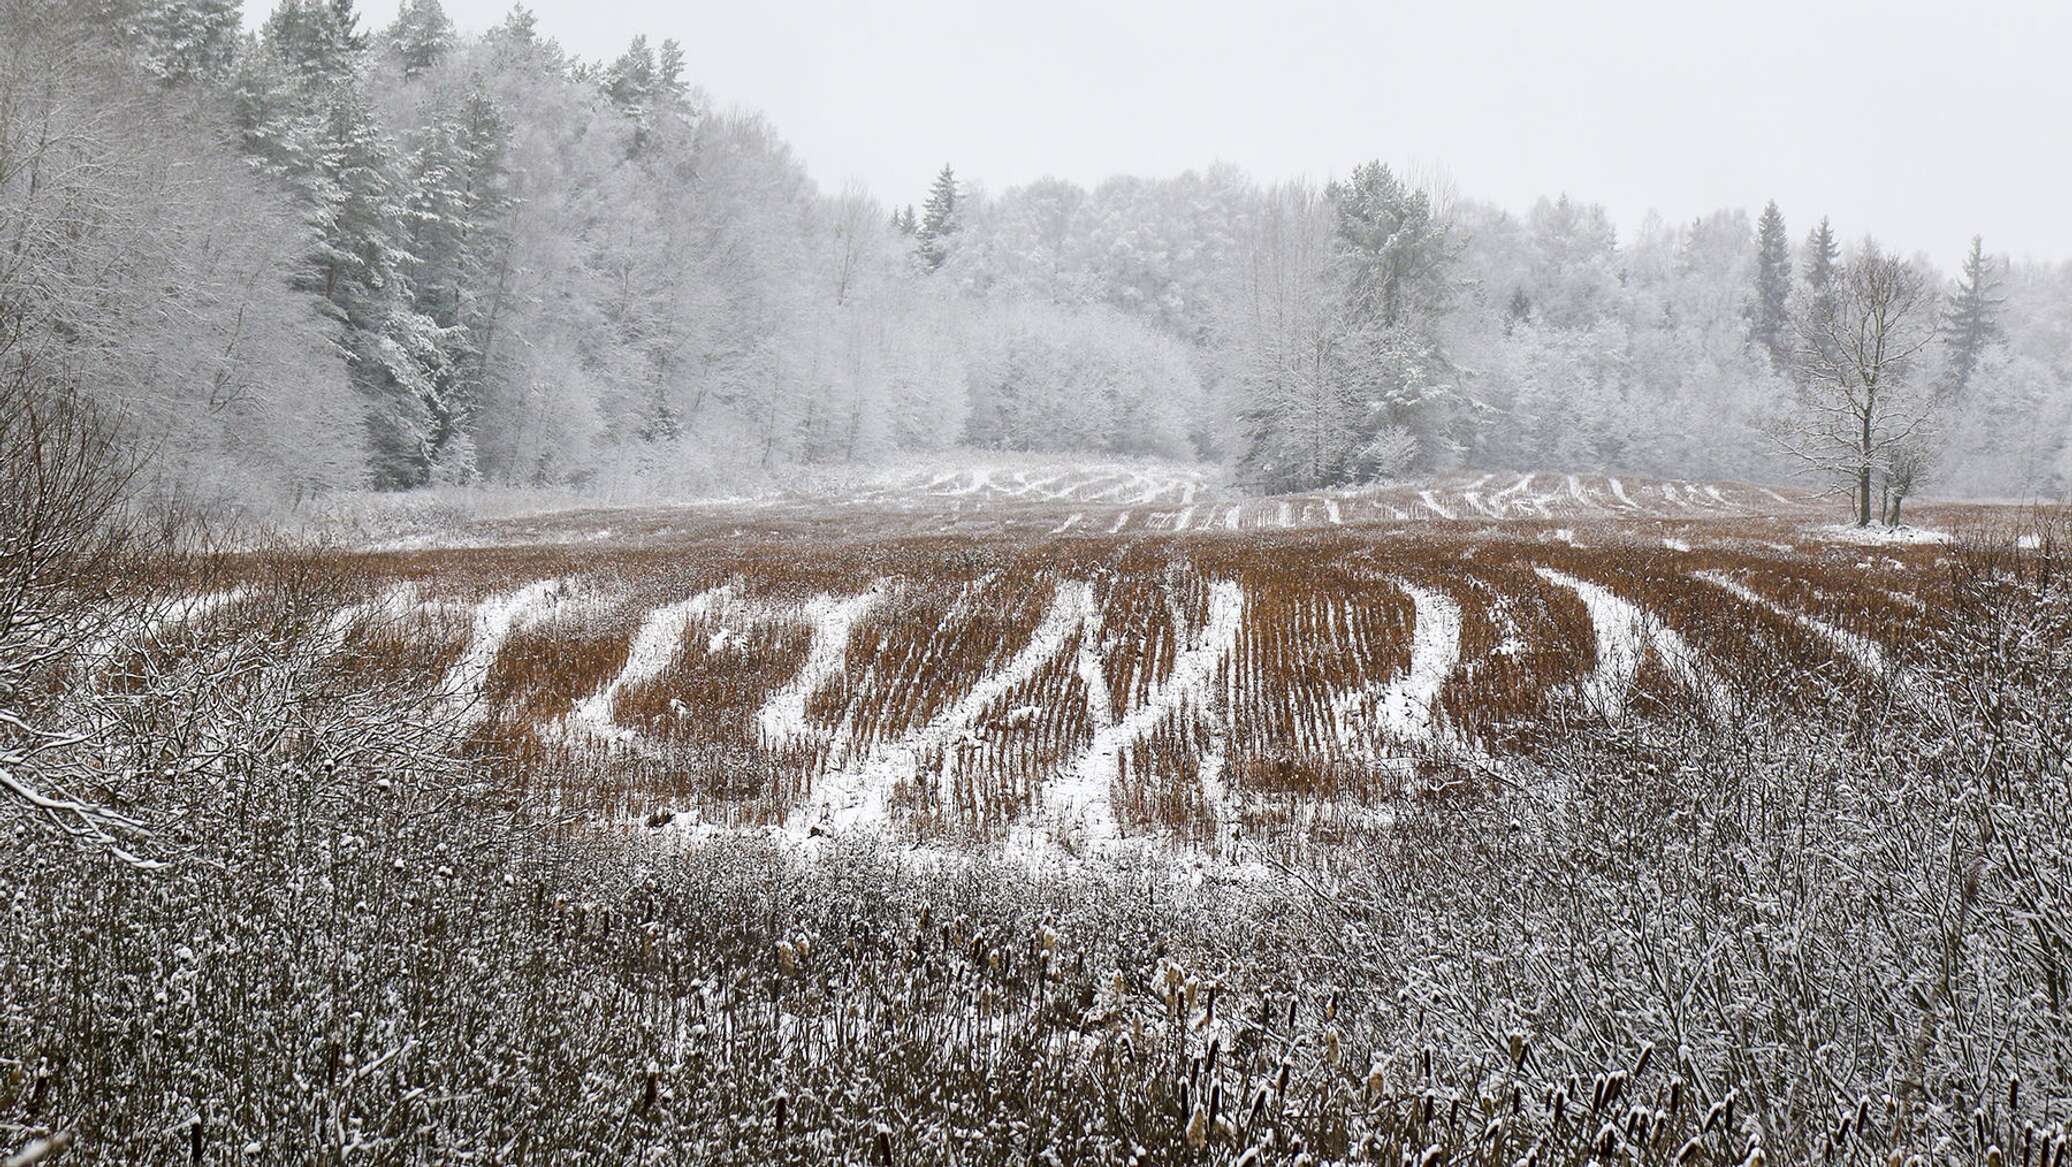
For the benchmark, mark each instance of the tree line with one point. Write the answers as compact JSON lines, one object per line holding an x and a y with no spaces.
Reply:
{"x":322,"y":255}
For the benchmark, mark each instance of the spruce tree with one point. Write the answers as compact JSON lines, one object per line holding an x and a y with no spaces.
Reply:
{"x":437,"y":335}
{"x":1823,"y":260}
{"x":421,"y":36}
{"x":190,"y":40}
{"x":1822,"y":254}
{"x":670,"y":85}
{"x":1769,"y":310}
{"x":938,"y":219}
{"x":1974,"y":316}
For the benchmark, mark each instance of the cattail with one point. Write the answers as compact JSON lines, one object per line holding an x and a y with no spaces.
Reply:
{"x":783,"y":1104}
{"x":194,"y":1139}
{"x":1516,"y":1041}
{"x":1197,"y":1129}
{"x":1690,"y":1149}
{"x":884,"y":1156}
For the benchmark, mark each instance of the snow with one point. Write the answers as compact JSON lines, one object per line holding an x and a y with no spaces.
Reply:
{"x":1079,"y":801}
{"x":1875,"y":536}
{"x":495,"y":619}
{"x":1433,"y":503}
{"x":783,"y":717}
{"x":1402,"y":710}
{"x":1068,"y":524}
{"x":1619,"y":492}
{"x":856,"y":796}
{"x":1675,"y":544}
{"x":1624,"y":634}
{"x":654,"y":646}
{"x":1863,"y":651}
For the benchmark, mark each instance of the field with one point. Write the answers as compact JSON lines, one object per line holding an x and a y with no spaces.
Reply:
{"x":1052,"y":814}
{"x":1092,"y":659}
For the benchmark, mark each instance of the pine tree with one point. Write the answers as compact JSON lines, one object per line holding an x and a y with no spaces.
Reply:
{"x":938,"y":219}
{"x":1769,"y":311}
{"x":1823,"y":269}
{"x":1396,"y":252}
{"x":1822,"y":254}
{"x":190,"y":40}
{"x":317,"y":41}
{"x":670,"y":85}
{"x":353,"y":209}
{"x":1974,"y":321}
{"x":421,"y":36}
{"x":454,"y":234}
{"x":630,"y":80}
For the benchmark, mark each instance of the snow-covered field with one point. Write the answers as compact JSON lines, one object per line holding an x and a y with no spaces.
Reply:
{"x":1107,"y":654}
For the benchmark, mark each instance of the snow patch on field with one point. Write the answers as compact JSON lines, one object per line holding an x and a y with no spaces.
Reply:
{"x":654,"y":646}
{"x":1402,"y":710}
{"x":856,"y":796}
{"x":495,"y":619}
{"x":1880,"y":536}
{"x":1624,"y":634}
{"x":1432,"y":502}
{"x":1860,"y":649}
{"x":1079,"y":802}
{"x":783,"y":717}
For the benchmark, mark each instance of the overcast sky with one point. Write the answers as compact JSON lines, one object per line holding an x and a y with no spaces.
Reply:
{"x":1921,"y":123}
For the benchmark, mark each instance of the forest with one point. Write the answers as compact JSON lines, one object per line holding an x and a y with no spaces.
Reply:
{"x":324,"y":256}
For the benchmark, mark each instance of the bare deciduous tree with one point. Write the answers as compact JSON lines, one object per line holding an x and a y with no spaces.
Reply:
{"x":1856,"y":404}
{"x":62,"y":482}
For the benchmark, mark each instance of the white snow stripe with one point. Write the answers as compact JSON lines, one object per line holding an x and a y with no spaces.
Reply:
{"x":1624,"y":633}
{"x":1402,"y":709}
{"x":654,"y":645}
{"x":1081,"y":799}
{"x":783,"y":716}
{"x":857,"y":795}
{"x":495,"y":618}
{"x":1861,"y":649}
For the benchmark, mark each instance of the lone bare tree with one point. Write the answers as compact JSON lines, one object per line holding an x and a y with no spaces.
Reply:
{"x":1857,"y":406}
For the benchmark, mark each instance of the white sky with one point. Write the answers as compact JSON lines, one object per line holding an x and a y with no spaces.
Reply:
{"x":1920,"y":122}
